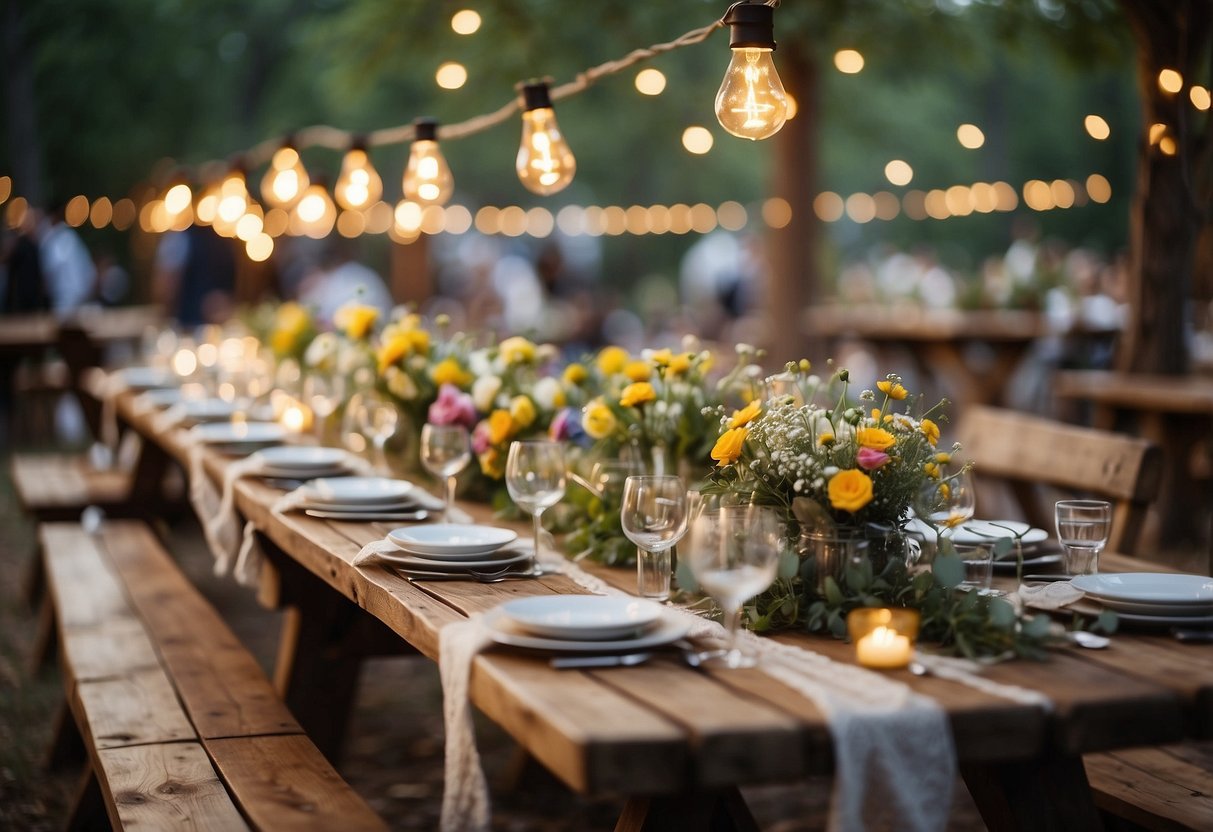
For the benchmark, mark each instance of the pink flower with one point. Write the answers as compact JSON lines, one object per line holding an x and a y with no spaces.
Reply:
{"x":480,"y":438}
{"x":452,"y":407}
{"x":870,"y":459}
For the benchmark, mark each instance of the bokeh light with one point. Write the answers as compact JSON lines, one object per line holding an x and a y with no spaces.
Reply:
{"x":465,"y":22}
{"x":697,"y":139}
{"x":848,"y":61}
{"x":650,"y":81}
{"x":451,"y":75}
{"x":970,"y":136}
{"x":1097,"y":128}
{"x":898,"y":172}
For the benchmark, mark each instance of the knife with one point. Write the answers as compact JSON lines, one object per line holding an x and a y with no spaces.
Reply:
{"x":608,"y":660}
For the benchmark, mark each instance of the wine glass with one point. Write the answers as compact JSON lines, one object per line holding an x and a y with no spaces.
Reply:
{"x":947,"y":502}
{"x":654,"y":517}
{"x":376,"y":418}
{"x":1082,"y":530}
{"x":733,"y":553}
{"x":323,"y":394}
{"x":535,"y":477}
{"x":445,"y":451}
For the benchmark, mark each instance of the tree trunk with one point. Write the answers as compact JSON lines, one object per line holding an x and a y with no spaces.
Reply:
{"x":1170,"y":205}
{"x":21,"y":112}
{"x":792,"y":250}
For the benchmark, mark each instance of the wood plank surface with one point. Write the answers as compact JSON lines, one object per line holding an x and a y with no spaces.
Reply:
{"x":87,"y":594}
{"x":1154,"y":787}
{"x":140,"y":709}
{"x":113,"y":648}
{"x":284,"y":783}
{"x":167,"y":786}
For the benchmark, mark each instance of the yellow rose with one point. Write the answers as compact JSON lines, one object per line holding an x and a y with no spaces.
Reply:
{"x":392,"y":350}
{"x":575,"y":374}
{"x":638,"y":371}
{"x":930,"y":430}
{"x":598,"y":420}
{"x":679,"y":364}
{"x":747,"y":414}
{"x":490,"y":464}
{"x":892,"y":389}
{"x":522,"y":411}
{"x":877,"y":438}
{"x":727,"y":449}
{"x":612,"y":359}
{"x":501,"y":426}
{"x":637,"y":394}
{"x":355,"y":320}
{"x":448,"y":371}
{"x":850,"y":490}
{"x":517,"y":350}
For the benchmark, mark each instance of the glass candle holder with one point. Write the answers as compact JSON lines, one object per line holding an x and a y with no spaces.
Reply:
{"x":883,"y":637}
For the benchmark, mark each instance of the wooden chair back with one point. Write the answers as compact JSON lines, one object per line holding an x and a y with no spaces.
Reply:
{"x":1027,"y":452}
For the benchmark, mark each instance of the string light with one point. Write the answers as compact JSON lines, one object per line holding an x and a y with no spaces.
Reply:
{"x":427,"y":177}
{"x":465,"y":22}
{"x":286,"y":179}
{"x":359,"y":184}
{"x":650,"y":81}
{"x":751,"y":103}
{"x":848,"y":61}
{"x":1096,"y":127}
{"x":545,"y":163}
{"x":314,"y":214}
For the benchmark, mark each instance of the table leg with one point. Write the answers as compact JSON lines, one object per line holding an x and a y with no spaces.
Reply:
{"x":1038,"y":795}
{"x":718,"y":811}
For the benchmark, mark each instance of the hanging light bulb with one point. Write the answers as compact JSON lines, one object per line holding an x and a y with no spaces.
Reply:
{"x":314,"y":213}
{"x":545,"y":164}
{"x":233,"y":202}
{"x":427,"y":178}
{"x":359,"y":185}
{"x":751,"y":103}
{"x":286,"y":178}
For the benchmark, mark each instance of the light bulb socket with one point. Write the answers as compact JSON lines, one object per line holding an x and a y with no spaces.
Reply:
{"x":751,"y":26}
{"x":425,"y":130}
{"x":358,"y":142}
{"x":535,"y":96}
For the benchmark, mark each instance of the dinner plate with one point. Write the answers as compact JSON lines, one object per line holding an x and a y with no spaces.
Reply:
{"x":238,"y":433}
{"x":987,"y":531}
{"x":503,"y":558}
{"x":301,"y":473}
{"x":1165,"y":620}
{"x":147,"y":378}
{"x":584,"y":617}
{"x":1148,"y":587}
{"x":1007,"y":565}
{"x":1147,"y":608}
{"x":667,"y":629}
{"x":361,"y":508}
{"x":363,"y":491}
{"x":164,"y":397}
{"x":207,"y":410}
{"x":451,"y":540}
{"x":308,"y":457}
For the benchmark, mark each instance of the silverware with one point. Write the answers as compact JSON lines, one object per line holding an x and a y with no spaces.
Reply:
{"x":480,"y":577}
{"x":1192,"y":636}
{"x":1049,"y":578}
{"x":360,"y":516}
{"x":1091,"y":641}
{"x":608,"y":660}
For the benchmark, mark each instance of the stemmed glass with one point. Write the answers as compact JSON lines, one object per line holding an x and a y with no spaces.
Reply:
{"x":654,"y":517}
{"x":376,"y":418}
{"x":733,"y":553}
{"x":535,"y":477}
{"x":948,"y":502}
{"x":1082,"y":530}
{"x":323,"y":394}
{"x":445,"y":451}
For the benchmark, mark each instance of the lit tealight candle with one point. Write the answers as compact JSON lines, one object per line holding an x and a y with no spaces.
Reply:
{"x":884,"y":638}
{"x":294,"y":418}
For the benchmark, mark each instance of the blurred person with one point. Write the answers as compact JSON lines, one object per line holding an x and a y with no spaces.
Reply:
{"x":113,"y":281}
{"x":24,"y":291}
{"x":67,"y":267}
{"x":194,"y":276}
{"x":339,"y":279}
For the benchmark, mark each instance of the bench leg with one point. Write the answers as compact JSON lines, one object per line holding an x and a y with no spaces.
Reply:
{"x":66,"y":749}
{"x":87,"y":813}
{"x":722,"y":811}
{"x":33,"y":586}
{"x":1039,"y":795}
{"x":46,"y":638}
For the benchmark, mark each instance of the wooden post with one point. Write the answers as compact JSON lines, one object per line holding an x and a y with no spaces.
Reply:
{"x":411,"y":281}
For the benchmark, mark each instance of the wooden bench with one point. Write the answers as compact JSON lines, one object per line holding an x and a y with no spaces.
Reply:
{"x":180,"y":724}
{"x":56,"y":486}
{"x":1165,"y":789}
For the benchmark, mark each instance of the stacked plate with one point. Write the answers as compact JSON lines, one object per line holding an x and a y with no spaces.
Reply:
{"x":148,"y":378}
{"x":457,"y":547}
{"x":1157,"y":598}
{"x":365,"y":498}
{"x":1037,"y":554}
{"x":201,"y":411}
{"x":302,"y":462}
{"x":238,"y":437}
{"x":585,"y":624}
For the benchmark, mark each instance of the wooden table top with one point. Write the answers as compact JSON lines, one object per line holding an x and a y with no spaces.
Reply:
{"x":1138,"y":391}
{"x":663,"y":727}
{"x":102,"y":325}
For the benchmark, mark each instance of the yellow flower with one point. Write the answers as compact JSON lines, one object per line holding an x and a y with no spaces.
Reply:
{"x":930,"y":430}
{"x":448,"y":371}
{"x":932,"y":470}
{"x":517,"y":350}
{"x":728,"y":447}
{"x":943,"y":458}
{"x":419,"y":340}
{"x":282,"y":341}
{"x":598,"y":420}
{"x":709,"y":361}
{"x":892,"y":389}
{"x":501,"y":426}
{"x":393,"y":349}
{"x":575,"y":374}
{"x":850,"y":490}
{"x":522,"y":411}
{"x":291,"y":318}
{"x":662,"y":358}
{"x":612,"y":359}
{"x":679,"y":364}
{"x":747,"y":414}
{"x":955,"y":519}
{"x":490,"y":464}
{"x":355,"y":320}
{"x":877,"y":438}
{"x":638,"y":371}
{"x":825,"y":438}
{"x":637,"y":394}
{"x":945,"y":491}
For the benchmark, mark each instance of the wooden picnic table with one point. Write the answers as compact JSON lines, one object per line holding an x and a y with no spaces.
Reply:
{"x":30,"y":333}
{"x":671,"y":738}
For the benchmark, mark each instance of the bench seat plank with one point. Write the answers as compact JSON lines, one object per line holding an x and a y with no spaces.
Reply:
{"x":285,"y":784}
{"x":60,"y":485}
{"x":166,"y":786}
{"x":87,"y":594}
{"x":1154,"y":787}
{"x":138,"y":710}
{"x":111,"y":649}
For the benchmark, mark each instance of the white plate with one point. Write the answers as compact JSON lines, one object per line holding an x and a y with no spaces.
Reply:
{"x":147,"y":378}
{"x":303,"y":456}
{"x":402,"y":515}
{"x":987,"y":531}
{"x":1148,"y":587}
{"x":451,"y":539}
{"x":301,"y":473}
{"x":164,"y":397}
{"x":362,"y":491}
{"x":669,"y":628}
{"x":238,"y":433}
{"x":585,"y":617}
{"x":208,"y":410}
{"x":1146,"y":608}
{"x":504,"y":558}
{"x":1165,"y":620}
